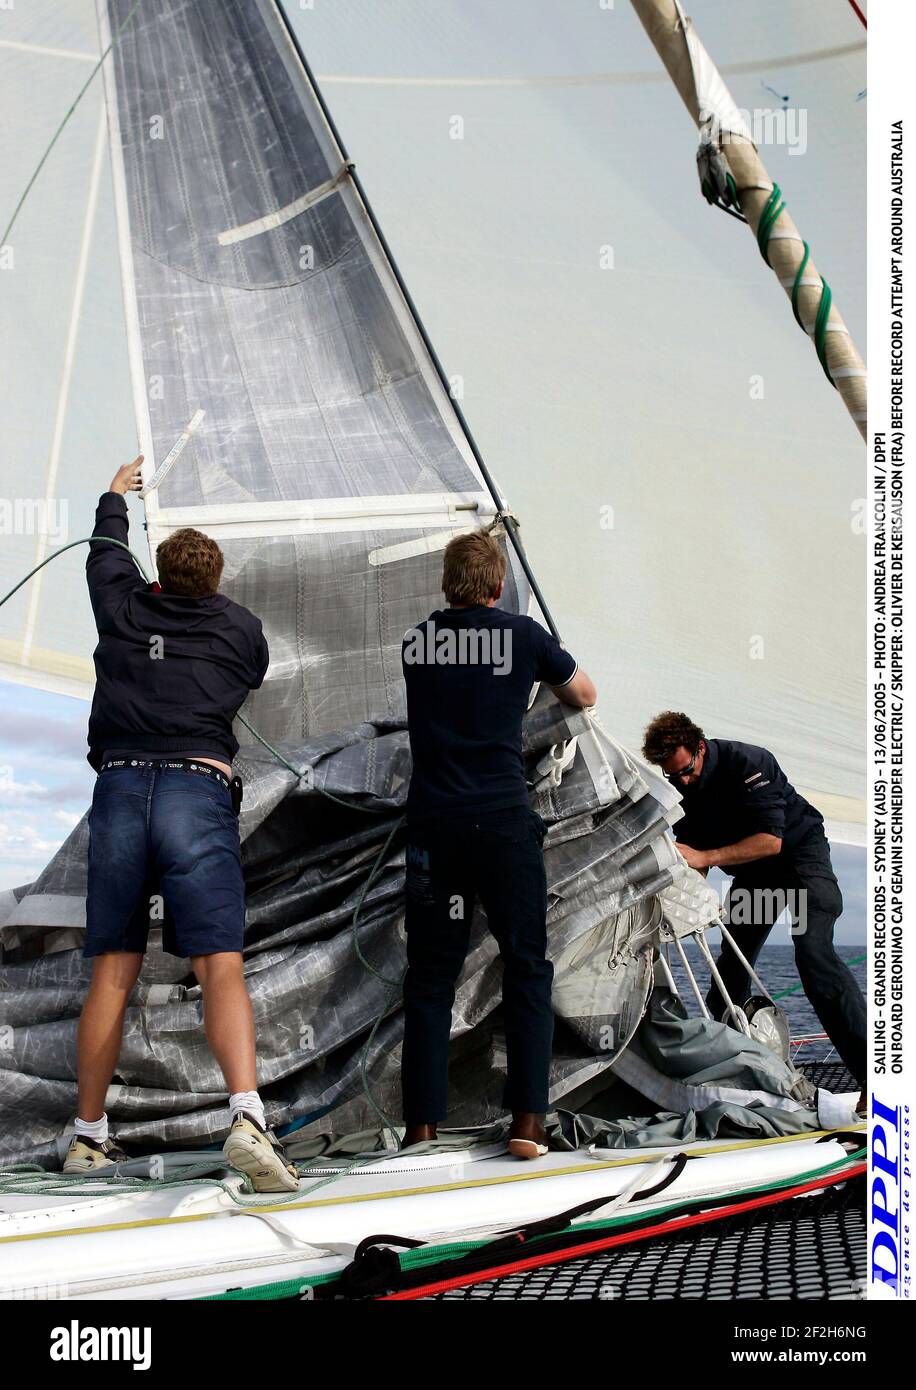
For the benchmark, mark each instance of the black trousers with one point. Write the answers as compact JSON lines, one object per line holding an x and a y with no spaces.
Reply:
{"x":806,"y":884}
{"x":496,"y":857}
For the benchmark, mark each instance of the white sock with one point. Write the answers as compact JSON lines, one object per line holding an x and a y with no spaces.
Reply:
{"x":92,"y":1129}
{"x":251,"y":1103}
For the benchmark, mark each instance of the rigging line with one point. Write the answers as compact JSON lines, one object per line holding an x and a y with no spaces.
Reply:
{"x":781,"y":993}
{"x":70,"y":110}
{"x":859,"y":13}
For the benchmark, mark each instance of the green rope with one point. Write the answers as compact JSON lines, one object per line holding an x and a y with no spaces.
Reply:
{"x":797,"y":285}
{"x":773,"y":208}
{"x":820,"y":329}
{"x":84,"y":540}
{"x":433,"y":1254}
{"x":70,"y":110}
{"x":781,"y":993}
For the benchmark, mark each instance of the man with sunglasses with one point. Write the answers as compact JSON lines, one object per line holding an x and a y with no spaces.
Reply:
{"x":742,"y":815}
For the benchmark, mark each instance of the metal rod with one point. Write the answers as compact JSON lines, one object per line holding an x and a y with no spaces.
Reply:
{"x":713,"y":970}
{"x":507,"y":521}
{"x":745,"y":962}
{"x":691,"y":977}
{"x":666,"y":968}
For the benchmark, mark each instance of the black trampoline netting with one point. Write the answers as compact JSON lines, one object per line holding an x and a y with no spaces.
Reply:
{"x":808,"y":1248}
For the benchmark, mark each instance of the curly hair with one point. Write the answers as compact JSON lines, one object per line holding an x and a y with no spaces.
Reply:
{"x":190,"y":564}
{"x":473,"y":568}
{"x":667,"y":733}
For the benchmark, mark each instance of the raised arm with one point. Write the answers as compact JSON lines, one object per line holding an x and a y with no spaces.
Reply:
{"x":110,"y":572}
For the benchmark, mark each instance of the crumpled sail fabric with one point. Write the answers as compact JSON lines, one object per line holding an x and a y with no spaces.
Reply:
{"x":331,"y":468}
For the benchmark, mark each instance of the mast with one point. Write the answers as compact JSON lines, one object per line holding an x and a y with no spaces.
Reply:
{"x":709,"y":102}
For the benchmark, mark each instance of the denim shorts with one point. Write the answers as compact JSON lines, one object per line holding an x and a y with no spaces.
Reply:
{"x":163,"y":850}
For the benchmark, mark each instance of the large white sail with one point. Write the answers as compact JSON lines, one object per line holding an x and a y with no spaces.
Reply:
{"x":682,"y":508}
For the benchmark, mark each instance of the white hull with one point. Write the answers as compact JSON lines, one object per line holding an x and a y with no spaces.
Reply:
{"x":185,"y":1242}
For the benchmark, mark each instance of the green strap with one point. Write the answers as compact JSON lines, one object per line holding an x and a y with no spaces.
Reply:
{"x":797,"y":285}
{"x":773,"y":208}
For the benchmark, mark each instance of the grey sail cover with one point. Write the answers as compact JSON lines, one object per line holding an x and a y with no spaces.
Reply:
{"x":330,"y":466}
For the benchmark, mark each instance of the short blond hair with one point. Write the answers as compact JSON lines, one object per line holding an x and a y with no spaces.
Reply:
{"x":473,"y":568}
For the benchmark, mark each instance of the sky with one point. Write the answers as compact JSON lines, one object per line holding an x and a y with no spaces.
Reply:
{"x":730,"y":580}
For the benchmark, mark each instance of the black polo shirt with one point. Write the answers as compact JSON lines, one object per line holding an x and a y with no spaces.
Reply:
{"x":171,"y":672}
{"x":743,"y":791}
{"x":469,"y":674}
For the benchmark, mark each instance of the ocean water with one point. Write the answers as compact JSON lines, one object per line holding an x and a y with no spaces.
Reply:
{"x":776,"y":968}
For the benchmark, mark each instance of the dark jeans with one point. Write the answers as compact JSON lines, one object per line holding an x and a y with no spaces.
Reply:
{"x":805,"y":883}
{"x":156,"y":830}
{"x":497,"y":857}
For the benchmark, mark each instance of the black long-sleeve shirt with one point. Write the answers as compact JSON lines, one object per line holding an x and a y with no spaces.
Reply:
{"x":743,"y":791}
{"x":171,"y":672}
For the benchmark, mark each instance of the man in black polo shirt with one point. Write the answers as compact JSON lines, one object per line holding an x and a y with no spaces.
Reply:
{"x":741,"y":814}
{"x":469,"y":671}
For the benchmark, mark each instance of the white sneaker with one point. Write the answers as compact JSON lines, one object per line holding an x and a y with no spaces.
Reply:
{"x":258,"y":1153}
{"x":90,"y":1155}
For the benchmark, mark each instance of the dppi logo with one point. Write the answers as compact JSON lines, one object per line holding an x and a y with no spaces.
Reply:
{"x":885,"y":1195}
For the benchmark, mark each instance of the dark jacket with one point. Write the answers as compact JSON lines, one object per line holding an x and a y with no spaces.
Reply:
{"x":171,"y":672}
{"x":743,"y":791}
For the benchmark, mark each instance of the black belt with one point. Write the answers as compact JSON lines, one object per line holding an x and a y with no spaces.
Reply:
{"x":175,"y":764}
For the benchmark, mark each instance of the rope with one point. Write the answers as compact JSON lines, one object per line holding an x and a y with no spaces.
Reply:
{"x":772,"y":211}
{"x":781,"y":993}
{"x":70,"y":110}
{"x":29,"y":1180}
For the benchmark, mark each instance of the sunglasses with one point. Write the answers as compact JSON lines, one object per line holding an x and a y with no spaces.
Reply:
{"x":684,"y":771}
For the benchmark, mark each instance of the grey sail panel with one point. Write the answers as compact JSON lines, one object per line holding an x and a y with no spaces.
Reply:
{"x":325,"y":426}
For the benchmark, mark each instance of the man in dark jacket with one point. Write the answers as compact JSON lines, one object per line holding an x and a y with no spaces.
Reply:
{"x":174,"y":662}
{"x":469,"y":670}
{"x":741,"y":814}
